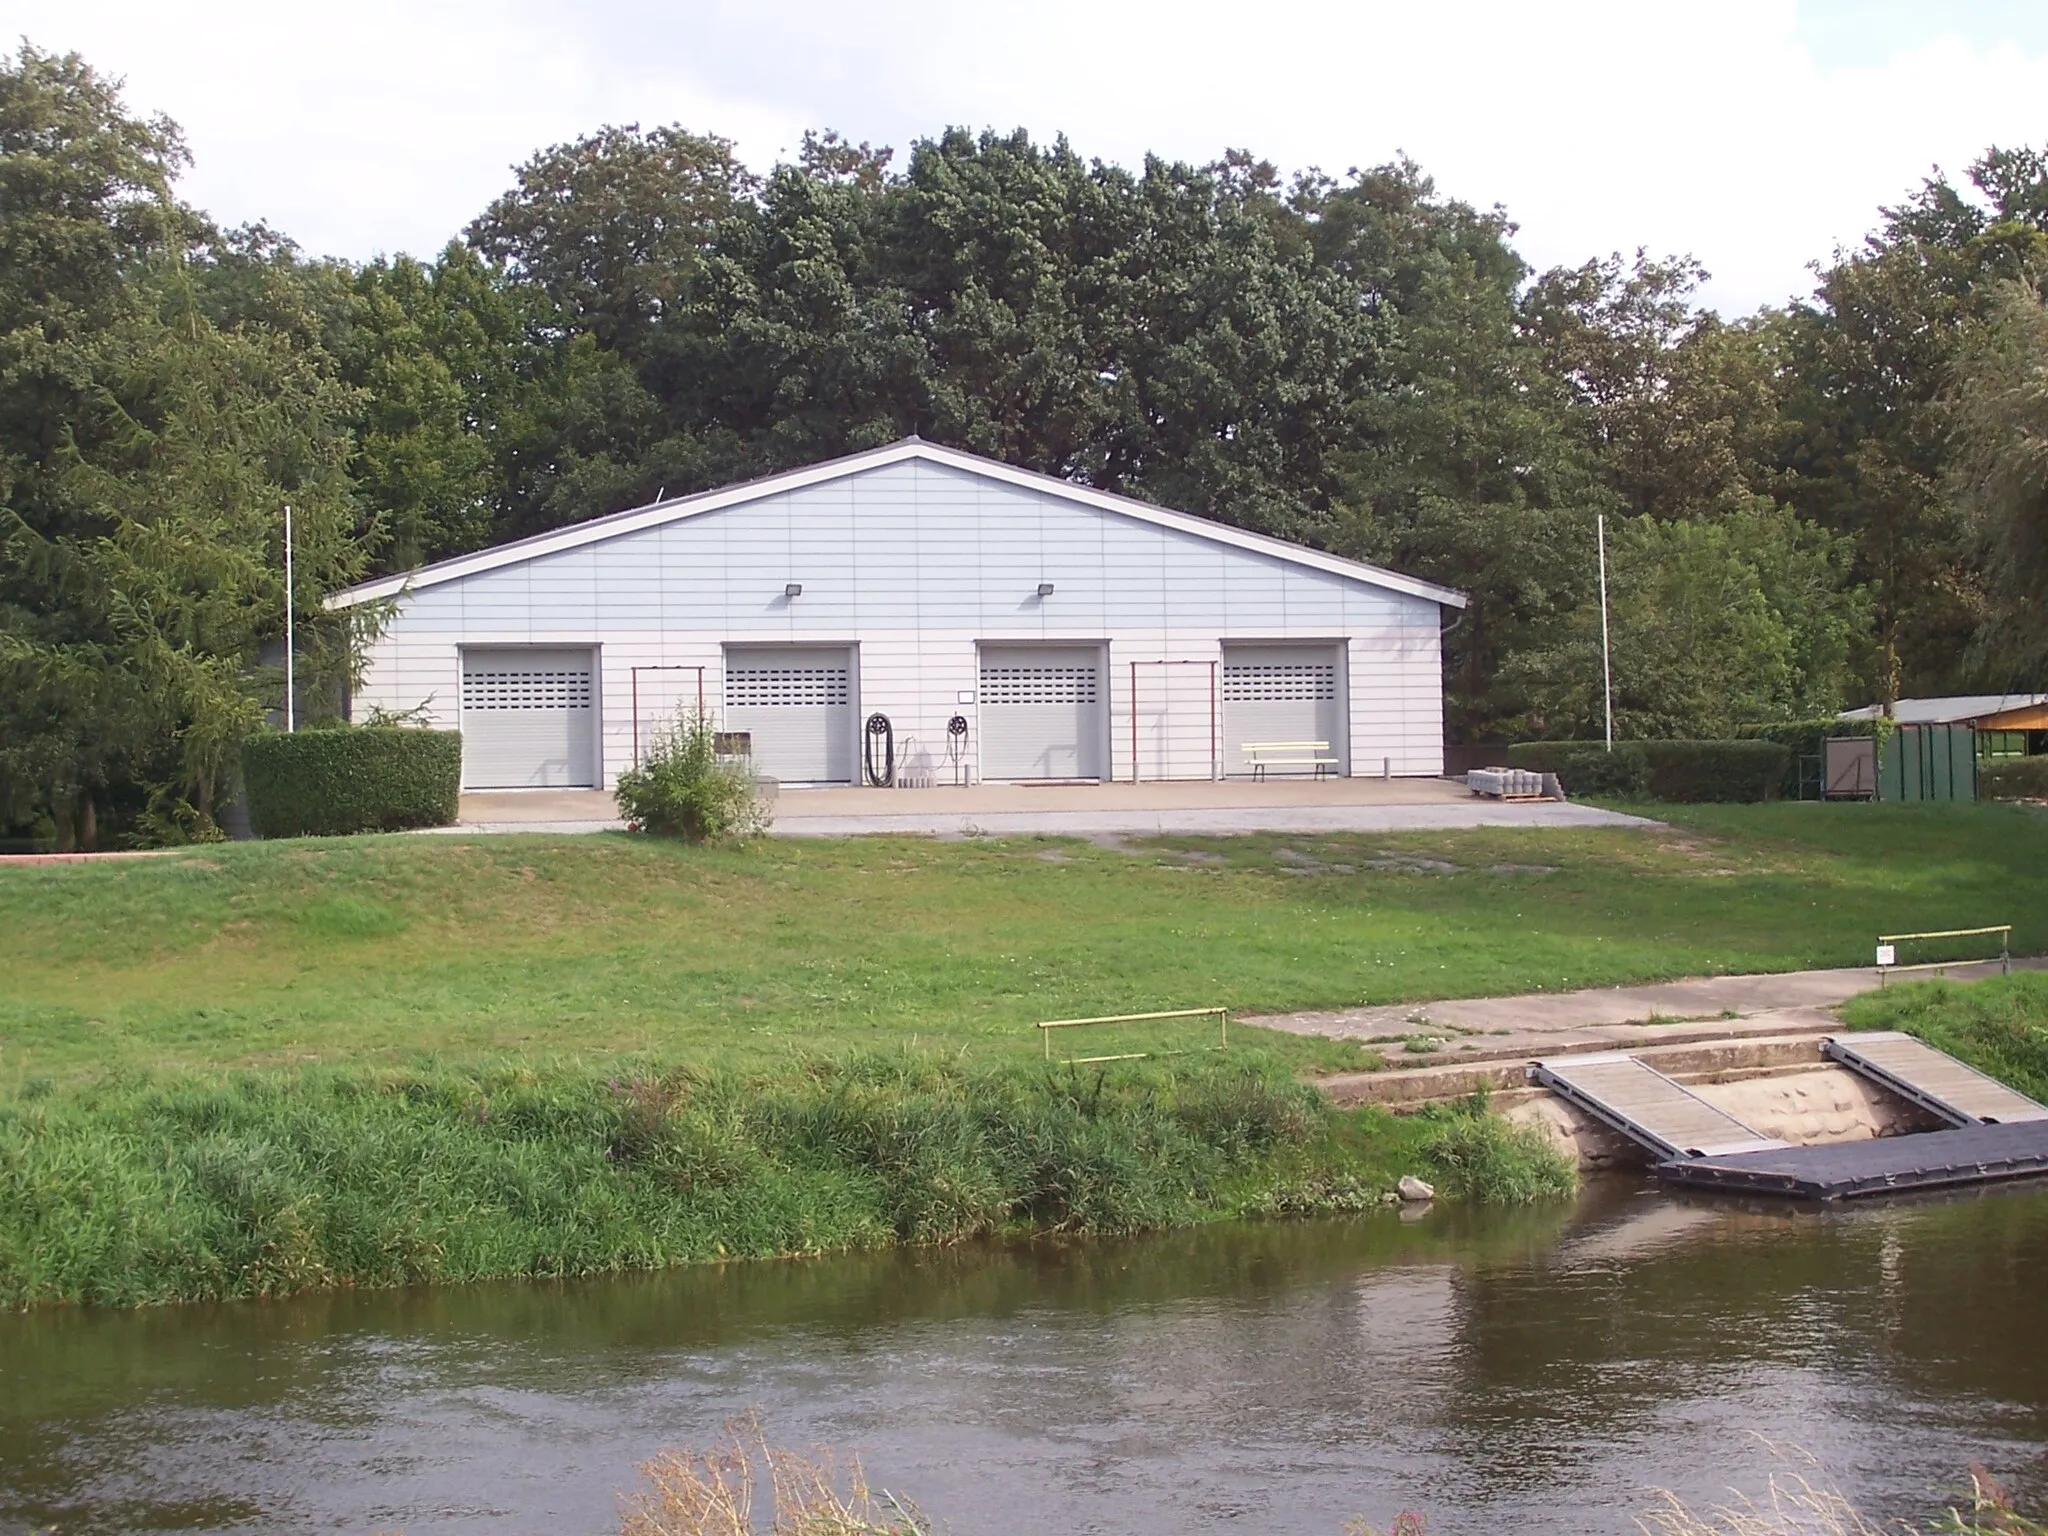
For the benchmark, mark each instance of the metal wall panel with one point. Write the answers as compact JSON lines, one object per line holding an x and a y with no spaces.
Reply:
{"x":1928,"y":762}
{"x":1167,"y":720}
{"x":919,"y":564}
{"x":1043,"y":712}
{"x":528,"y":718}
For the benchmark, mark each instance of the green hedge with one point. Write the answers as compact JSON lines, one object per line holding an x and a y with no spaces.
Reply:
{"x":1678,"y":771}
{"x":1593,"y":770}
{"x":2013,"y":778}
{"x":371,"y":778}
{"x":1691,"y":771}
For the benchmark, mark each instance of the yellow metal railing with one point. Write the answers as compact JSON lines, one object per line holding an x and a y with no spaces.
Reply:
{"x":1888,"y":943}
{"x":1220,"y":1015}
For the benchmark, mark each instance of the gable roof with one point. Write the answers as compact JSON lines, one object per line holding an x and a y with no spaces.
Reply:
{"x":678,"y":508}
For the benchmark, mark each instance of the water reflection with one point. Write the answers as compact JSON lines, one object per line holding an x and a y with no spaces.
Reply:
{"x":1542,"y":1366}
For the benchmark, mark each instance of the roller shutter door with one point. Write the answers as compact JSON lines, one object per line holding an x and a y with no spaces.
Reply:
{"x":1283,"y":693}
{"x":529,"y":719}
{"x":797,"y":706}
{"x":1043,"y":712}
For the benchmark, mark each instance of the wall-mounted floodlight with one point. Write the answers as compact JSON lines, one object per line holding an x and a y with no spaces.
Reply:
{"x":1045,"y":589}
{"x":794,"y":589}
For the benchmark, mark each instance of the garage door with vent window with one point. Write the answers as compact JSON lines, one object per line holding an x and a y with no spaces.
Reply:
{"x":1282,"y":693}
{"x":1043,"y":712}
{"x":797,"y":708}
{"x":529,"y":719}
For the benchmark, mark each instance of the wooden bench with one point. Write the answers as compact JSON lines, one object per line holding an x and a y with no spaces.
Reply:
{"x":1289,"y":754}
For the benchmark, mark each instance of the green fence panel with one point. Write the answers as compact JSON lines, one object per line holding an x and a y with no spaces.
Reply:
{"x":1929,"y":762}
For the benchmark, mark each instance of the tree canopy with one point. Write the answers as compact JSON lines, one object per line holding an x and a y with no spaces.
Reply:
{"x":1810,"y":506}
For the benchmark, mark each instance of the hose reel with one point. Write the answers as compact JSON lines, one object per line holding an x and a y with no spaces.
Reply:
{"x":956,"y":746}
{"x":879,"y":729}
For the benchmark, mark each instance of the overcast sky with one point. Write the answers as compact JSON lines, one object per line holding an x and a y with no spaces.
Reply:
{"x":1755,"y":134}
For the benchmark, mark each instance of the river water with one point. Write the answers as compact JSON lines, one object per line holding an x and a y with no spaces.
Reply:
{"x":1539,"y":1372}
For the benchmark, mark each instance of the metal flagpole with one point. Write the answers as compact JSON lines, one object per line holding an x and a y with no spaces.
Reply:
{"x":1606,"y":659}
{"x":290,"y":675}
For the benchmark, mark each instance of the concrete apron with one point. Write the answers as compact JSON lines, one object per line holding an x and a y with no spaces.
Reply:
{"x":1764,"y":1066}
{"x":1214,"y":807}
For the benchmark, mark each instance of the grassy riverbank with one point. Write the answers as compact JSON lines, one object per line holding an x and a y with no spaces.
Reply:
{"x":272,"y":1182}
{"x":1999,"y":1026}
{"x":393,"y":950}
{"x":255,"y":1069}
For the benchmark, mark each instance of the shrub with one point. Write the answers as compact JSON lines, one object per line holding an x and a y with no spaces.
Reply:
{"x":1678,"y":771}
{"x":684,"y":789}
{"x":1550,"y":756}
{"x":1597,"y":771}
{"x":2013,"y":778}
{"x":1587,"y":767}
{"x":351,"y":779}
{"x":1687,"y":772}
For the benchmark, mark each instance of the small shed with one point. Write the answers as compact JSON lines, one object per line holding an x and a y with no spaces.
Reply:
{"x":2006,"y":724}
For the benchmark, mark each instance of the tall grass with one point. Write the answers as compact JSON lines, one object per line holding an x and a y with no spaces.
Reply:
{"x":265,"y":1183}
{"x":1493,"y":1161}
{"x":715,"y":1492}
{"x":1796,"y":1506}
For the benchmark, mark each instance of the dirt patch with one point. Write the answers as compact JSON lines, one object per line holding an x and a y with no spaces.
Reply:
{"x":1684,"y":847}
{"x":1412,"y":864}
{"x":1521,"y":869}
{"x":1294,"y":862}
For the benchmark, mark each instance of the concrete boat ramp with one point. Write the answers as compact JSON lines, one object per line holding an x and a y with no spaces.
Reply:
{"x":1777,"y":1101}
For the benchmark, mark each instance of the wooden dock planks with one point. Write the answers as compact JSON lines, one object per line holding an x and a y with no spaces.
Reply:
{"x":1642,"y":1103}
{"x":1933,"y":1079}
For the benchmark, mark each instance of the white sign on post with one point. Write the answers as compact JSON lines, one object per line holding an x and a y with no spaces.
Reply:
{"x":1887,"y":955}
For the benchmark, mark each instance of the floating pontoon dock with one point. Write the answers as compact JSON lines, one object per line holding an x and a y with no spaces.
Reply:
{"x":1997,"y":1133}
{"x":1842,"y":1170}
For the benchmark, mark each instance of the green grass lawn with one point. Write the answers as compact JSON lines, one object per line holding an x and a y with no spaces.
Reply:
{"x":395,"y":948}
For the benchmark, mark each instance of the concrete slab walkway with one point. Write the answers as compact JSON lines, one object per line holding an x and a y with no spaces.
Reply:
{"x":1695,"y":1010}
{"x":1078,"y":810}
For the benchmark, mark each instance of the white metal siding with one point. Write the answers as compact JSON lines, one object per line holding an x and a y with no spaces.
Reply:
{"x":1167,"y":720}
{"x":528,"y":719}
{"x":1042,"y":712}
{"x":1277,"y":693}
{"x":920,"y":564}
{"x":798,"y":707}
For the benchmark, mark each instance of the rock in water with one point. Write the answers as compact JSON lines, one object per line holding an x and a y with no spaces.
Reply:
{"x":1413,"y":1188}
